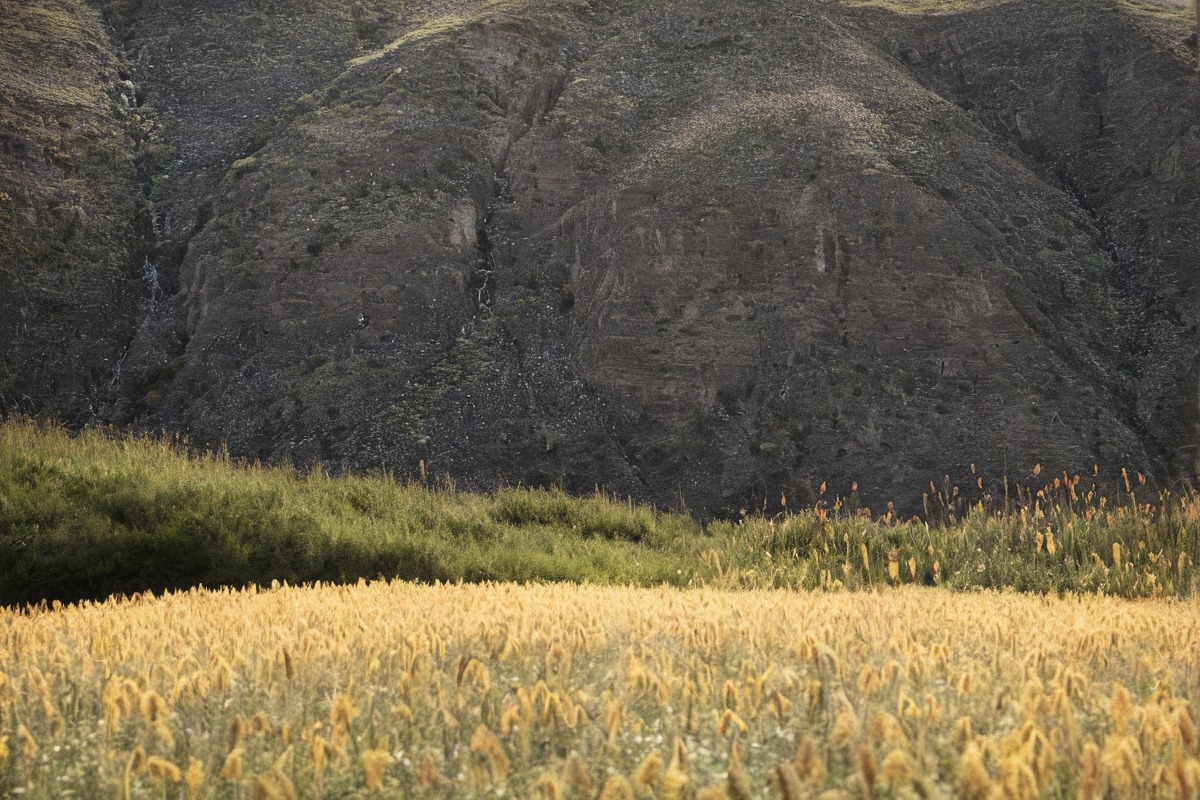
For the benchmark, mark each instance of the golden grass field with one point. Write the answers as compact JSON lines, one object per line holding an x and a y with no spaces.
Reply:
{"x":566,"y":691}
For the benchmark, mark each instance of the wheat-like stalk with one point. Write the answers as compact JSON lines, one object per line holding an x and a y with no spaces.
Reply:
{"x":553,"y":691}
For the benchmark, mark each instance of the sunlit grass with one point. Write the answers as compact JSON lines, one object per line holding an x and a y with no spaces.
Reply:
{"x":922,"y":7}
{"x":94,"y":514}
{"x":559,"y":691}
{"x":455,"y":21}
{"x":90,"y":515}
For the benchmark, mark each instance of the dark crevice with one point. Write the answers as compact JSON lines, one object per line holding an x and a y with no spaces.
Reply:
{"x":151,"y":223}
{"x":483,"y":279}
{"x":1137,"y":299}
{"x":540,"y":99}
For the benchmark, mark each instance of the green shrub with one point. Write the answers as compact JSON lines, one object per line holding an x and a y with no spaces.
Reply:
{"x":244,"y":165}
{"x":96,"y":514}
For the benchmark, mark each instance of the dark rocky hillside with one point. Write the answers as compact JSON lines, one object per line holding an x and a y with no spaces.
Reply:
{"x":71,"y":218}
{"x":680,"y":249}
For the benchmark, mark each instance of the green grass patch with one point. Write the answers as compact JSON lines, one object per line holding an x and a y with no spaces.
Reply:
{"x":89,"y":515}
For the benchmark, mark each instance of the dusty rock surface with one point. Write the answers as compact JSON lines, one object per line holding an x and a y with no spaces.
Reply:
{"x":676,"y":252}
{"x":71,"y":239}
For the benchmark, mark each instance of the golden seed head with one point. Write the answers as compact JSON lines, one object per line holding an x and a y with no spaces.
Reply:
{"x":1121,"y":762}
{"x":868,"y":769}
{"x":343,"y":712}
{"x":674,"y":785}
{"x":845,"y":730}
{"x":869,"y":681}
{"x":275,"y":785}
{"x":193,"y":779}
{"x":809,"y":761}
{"x":964,"y":732}
{"x":1019,"y":782}
{"x":787,"y":781}
{"x":320,"y":756}
{"x":239,"y":729}
{"x":485,"y":744}
{"x":154,"y":707}
{"x":897,"y":767}
{"x":648,"y":773}
{"x":548,"y":786}
{"x":510,"y":719}
{"x":1187,"y":728}
{"x":972,"y":777}
{"x":579,"y":775}
{"x":883,"y":728}
{"x":233,"y":770}
{"x":730,"y":695}
{"x":679,"y":757}
{"x":616,"y":788}
{"x":1090,"y":779}
{"x":1121,"y":707}
{"x":162,"y":770}
{"x":136,"y":764}
{"x":729,"y":722}
{"x":1191,"y":770}
{"x":429,"y":771}
{"x":29,"y":745}
{"x":374,"y":764}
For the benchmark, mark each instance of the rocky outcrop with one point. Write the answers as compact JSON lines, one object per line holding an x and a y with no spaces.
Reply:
{"x":70,"y":235}
{"x":1107,"y":114}
{"x":674,"y":252}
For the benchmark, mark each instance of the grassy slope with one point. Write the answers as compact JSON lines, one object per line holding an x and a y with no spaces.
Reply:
{"x":86,"y":516}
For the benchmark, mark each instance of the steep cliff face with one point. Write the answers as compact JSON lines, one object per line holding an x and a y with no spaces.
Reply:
{"x":70,"y":241}
{"x":669,"y":250}
{"x":1105,"y":113}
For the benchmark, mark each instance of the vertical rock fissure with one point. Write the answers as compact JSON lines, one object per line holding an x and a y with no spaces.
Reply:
{"x":483,"y":279}
{"x":540,"y":100}
{"x":150,"y":222}
{"x":1137,"y":299}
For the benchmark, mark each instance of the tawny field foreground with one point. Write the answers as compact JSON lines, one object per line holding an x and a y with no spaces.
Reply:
{"x":398,"y":690}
